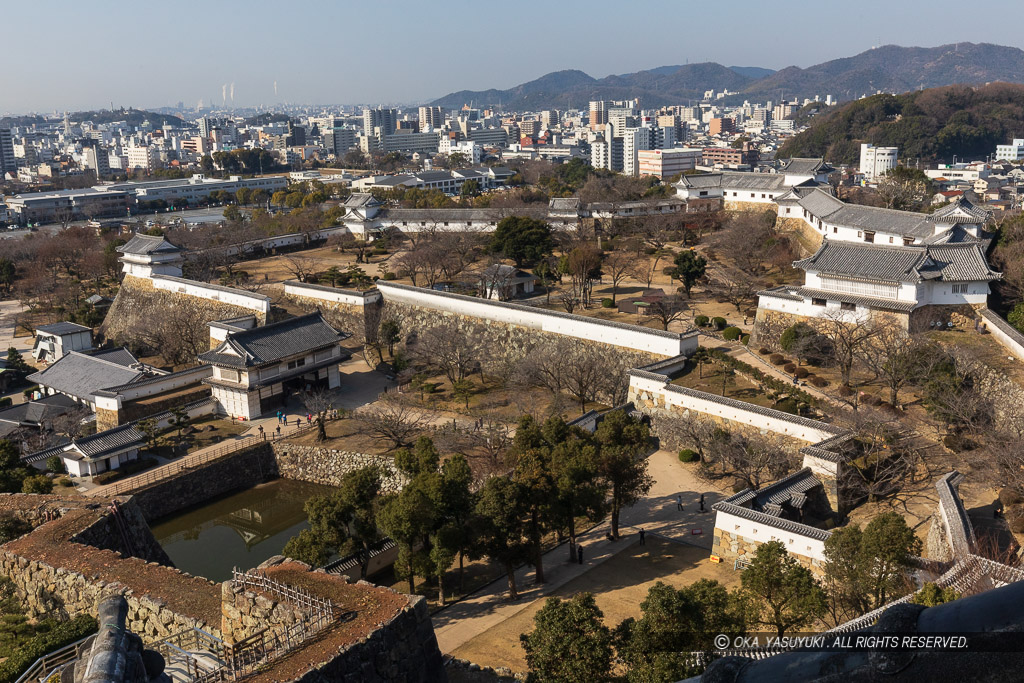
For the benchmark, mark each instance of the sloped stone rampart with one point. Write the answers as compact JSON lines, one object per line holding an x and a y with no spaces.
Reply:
{"x":327,"y":466}
{"x":138,"y":305}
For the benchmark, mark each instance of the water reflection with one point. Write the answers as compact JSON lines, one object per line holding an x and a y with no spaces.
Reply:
{"x":239,"y":530}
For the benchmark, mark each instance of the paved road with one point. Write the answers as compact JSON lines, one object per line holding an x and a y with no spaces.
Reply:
{"x":656,"y":513}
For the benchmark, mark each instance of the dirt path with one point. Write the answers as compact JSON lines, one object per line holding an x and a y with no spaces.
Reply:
{"x":657,"y":513}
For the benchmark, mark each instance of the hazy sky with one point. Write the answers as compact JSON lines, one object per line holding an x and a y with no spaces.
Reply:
{"x":83,"y":54}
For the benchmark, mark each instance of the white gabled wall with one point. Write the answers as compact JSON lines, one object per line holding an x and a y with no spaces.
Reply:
{"x":234,"y":297}
{"x":763,"y":533}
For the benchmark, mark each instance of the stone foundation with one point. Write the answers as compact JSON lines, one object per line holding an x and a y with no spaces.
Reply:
{"x":324,"y":466}
{"x":731,"y":547}
{"x":769,"y":326}
{"x":963,"y":316}
{"x":361,"y":321}
{"x":138,"y":304}
{"x":808,"y":238}
{"x":760,"y":207}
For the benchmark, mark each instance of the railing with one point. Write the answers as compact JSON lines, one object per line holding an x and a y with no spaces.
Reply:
{"x":169,"y":470}
{"x":192,"y":461}
{"x":297,"y":597}
{"x":44,"y":667}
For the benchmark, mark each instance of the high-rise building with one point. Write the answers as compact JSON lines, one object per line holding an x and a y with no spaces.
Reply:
{"x":665,"y":163}
{"x":1012,"y":152}
{"x":529,"y":128}
{"x":342,"y":140}
{"x":142,"y":158}
{"x":7,"y":162}
{"x":634,"y":140}
{"x":385,"y":119}
{"x":549,"y":118}
{"x":719,"y":125}
{"x":96,"y":158}
{"x":431,"y":117}
{"x":296,"y":135}
{"x":876,"y":161}
{"x":598,"y":114}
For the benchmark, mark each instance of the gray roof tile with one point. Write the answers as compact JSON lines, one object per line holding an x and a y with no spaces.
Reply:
{"x":148,"y":244}
{"x":62,"y":328}
{"x":81,"y":375}
{"x":271,"y":343}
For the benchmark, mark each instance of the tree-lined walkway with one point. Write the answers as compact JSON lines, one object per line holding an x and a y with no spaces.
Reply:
{"x":657,"y":513}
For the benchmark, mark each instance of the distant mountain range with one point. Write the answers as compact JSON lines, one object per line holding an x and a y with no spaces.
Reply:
{"x":890,"y":69}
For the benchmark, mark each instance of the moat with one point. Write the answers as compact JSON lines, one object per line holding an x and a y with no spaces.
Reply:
{"x":238,"y":530}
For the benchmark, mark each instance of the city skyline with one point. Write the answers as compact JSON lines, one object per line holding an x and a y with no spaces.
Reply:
{"x":337,"y":54}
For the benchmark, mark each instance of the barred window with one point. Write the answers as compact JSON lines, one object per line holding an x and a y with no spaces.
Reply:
{"x":881,"y":290}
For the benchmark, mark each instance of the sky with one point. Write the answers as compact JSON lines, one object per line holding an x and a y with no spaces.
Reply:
{"x":76,"y":55}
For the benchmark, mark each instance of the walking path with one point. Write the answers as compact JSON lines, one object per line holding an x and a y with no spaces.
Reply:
{"x":657,"y":513}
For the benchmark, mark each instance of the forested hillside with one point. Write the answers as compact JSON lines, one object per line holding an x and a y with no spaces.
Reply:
{"x":930,"y":125}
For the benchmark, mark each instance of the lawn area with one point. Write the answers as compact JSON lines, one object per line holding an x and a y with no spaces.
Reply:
{"x":344,"y":434}
{"x":709,"y":379}
{"x":620,"y":584}
{"x":206,"y":431}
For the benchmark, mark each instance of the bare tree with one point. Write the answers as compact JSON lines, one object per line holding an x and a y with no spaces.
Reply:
{"x":848,"y":335}
{"x":343,"y":242}
{"x":690,"y":429}
{"x":301,"y":266}
{"x":618,"y":265}
{"x":583,"y":266}
{"x":392,"y":420}
{"x":881,"y":458}
{"x":895,"y":358}
{"x":667,"y":310}
{"x":319,"y":402}
{"x":448,"y":350}
{"x":645,"y":269}
{"x":753,"y":458}
{"x":738,"y":289}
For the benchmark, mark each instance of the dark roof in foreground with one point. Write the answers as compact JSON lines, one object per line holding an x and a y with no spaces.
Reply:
{"x":79,"y":374}
{"x":148,"y":244}
{"x":271,"y":343}
{"x":95,"y":445}
{"x":955,"y":261}
{"x":63,"y":328}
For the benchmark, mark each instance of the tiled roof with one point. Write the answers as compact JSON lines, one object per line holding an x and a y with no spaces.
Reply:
{"x":802,"y":166}
{"x":960,"y":210}
{"x":904,"y":223}
{"x":271,"y":343}
{"x":700,"y":180}
{"x":957,"y":262}
{"x":768,"y":520}
{"x":820,"y":203}
{"x":81,"y":375}
{"x":119,"y":355}
{"x":500,"y":270}
{"x":95,"y":445}
{"x":875,"y":262}
{"x":754,"y":181}
{"x":63,"y":328}
{"x":359,"y":199}
{"x":148,"y":244}
{"x":781,"y":292}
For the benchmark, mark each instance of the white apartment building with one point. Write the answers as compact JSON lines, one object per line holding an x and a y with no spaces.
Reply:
{"x":633,"y":141}
{"x":142,"y":158}
{"x":1011,"y":152}
{"x":875,"y":162}
{"x":665,"y":163}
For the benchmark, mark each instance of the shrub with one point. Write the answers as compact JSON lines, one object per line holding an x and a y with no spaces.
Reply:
{"x":802,"y":373}
{"x":65,"y":482}
{"x":55,"y":464}
{"x":39,"y":483}
{"x":819,"y":382}
{"x":688,"y":455}
{"x":764,"y":351}
{"x":1010,"y":496}
{"x":745,"y":339}
{"x":5,"y":402}
{"x":777,"y":359}
{"x":718,"y":322}
{"x":873,"y":400}
{"x":731,"y":333}
{"x":845,"y":390}
{"x":701,"y":321}
{"x":390,"y":276}
{"x":44,"y":643}
{"x":107,"y":477}
{"x":788,"y":405}
{"x":790,"y":368}
{"x":607,"y":303}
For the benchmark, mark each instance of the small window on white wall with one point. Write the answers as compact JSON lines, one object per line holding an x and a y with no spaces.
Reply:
{"x":960,"y":288}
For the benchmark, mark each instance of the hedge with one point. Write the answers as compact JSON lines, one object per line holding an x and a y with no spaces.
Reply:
{"x":607,"y":303}
{"x":731,"y":333}
{"x":60,"y":635}
{"x":790,"y":368}
{"x":718,"y":322}
{"x":801,"y":373}
{"x":701,"y":321}
{"x":767,"y":380}
{"x":687,"y":455}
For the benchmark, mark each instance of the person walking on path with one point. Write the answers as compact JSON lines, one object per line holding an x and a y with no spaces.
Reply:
{"x":679,"y":502}
{"x":643,"y":533}
{"x":278,"y":430}
{"x":579,"y":553}
{"x":702,"y":502}
{"x":298,"y":422}
{"x":262,"y":435}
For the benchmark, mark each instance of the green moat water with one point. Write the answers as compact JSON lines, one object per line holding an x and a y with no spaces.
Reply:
{"x":238,"y":530}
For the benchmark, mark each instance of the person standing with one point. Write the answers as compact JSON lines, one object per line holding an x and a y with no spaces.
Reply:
{"x":702,"y":502}
{"x":643,"y":533}
{"x":279,"y":430}
{"x":262,"y":435}
{"x":679,"y":502}
{"x":579,"y":553}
